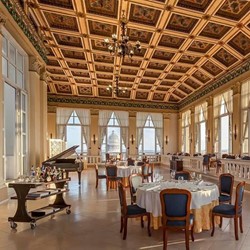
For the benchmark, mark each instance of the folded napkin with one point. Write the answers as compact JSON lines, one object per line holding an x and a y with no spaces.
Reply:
{"x":153,"y":188}
{"x":200,"y":182}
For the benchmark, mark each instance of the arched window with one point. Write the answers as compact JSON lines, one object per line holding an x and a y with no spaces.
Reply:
{"x":149,"y":133}
{"x":200,"y":128}
{"x":73,"y":128}
{"x":113,"y":133}
{"x":223,"y":108}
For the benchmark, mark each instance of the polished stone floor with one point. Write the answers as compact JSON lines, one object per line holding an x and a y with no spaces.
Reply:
{"x":95,"y":222}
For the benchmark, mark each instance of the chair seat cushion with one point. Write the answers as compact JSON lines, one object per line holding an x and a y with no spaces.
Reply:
{"x":224,"y":198}
{"x":180,"y":223}
{"x":134,"y":210}
{"x":224,"y":209}
{"x":102,"y":176}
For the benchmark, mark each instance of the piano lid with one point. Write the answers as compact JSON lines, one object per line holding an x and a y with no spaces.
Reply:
{"x":64,"y":154}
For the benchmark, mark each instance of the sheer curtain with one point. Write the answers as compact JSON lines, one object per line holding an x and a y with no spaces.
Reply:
{"x":186,"y":123}
{"x":104,"y":116}
{"x":227,"y":99}
{"x":122,"y":117}
{"x":158,"y":124}
{"x":62,"y":117}
{"x":141,"y":118}
{"x":84,"y":117}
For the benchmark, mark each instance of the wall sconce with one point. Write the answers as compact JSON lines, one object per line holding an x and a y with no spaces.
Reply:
{"x":166,"y":140}
{"x":235,"y":132}
{"x":94,"y":139}
{"x":132,"y":139}
{"x":208,"y":135}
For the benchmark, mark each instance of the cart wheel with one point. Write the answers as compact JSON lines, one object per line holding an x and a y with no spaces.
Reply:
{"x":68,"y":211}
{"x":33,"y":225}
{"x":13,"y":225}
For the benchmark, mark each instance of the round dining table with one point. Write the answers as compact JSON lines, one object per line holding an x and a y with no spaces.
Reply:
{"x":204,"y":198}
{"x":126,"y":171}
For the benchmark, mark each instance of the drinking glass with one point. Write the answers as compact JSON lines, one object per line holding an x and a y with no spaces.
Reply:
{"x":199,"y":177}
{"x":193,"y":175}
{"x":172,"y":175}
{"x":180,"y":179}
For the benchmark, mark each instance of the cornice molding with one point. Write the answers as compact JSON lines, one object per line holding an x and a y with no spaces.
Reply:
{"x":26,"y":26}
{"x":241,"y":69}
{"x":52,"y":99}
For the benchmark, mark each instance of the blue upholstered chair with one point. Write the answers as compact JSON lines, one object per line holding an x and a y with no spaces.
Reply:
{"x":135,"y":180}
{"x":226,"y":183}
{"x":184,"y":174}
{"x":111,"y":173}
{"x":231,"y":211}
{"x":175,"y":204}
{"x":130,"y":211}
{"x":206,"y":162}
{"x":98,"y":175}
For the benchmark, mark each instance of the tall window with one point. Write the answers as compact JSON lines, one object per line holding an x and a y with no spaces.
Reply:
{"x":186,"y":135}
{"x":149,"y":133}
{"x":14,"y":71}
{"x":73,"y":127}
{"x":223,"y":108}
{"x":200,"y":128}
{"x":245,"y":109}
{"x":113,"y":133}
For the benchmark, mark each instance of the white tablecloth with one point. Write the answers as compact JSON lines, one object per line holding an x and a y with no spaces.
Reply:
{"x":126,"y":171}
{"x":148,"y":196}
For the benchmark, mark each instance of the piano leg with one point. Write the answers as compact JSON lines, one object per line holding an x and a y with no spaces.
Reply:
{"x":79,"y":177}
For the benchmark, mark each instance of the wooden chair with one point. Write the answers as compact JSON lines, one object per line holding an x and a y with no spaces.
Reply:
{"x":176,"y":217}
{"x":206,"y":162}
{"x":185,"y":174}
{"x":135,"y":180}
{"x":148,"y":171}
{"x":231,"y":211}
{"x":111,"y":173}
{"x":131,"y":162}
{"x":98,"y":176}
{"x":226,"y":183}
{"x":130,"y":211}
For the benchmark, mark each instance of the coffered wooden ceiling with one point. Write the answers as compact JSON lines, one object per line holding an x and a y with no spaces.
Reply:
{"x":186,"y":44}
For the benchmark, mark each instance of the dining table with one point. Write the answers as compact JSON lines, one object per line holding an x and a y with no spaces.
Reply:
{"x":204,"y":198}
{"x":125,"y":171}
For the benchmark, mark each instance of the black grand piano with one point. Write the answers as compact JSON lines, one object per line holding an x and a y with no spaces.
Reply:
{"x":69,"y":164}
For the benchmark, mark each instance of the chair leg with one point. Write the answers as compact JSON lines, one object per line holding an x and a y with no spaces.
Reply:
{"x":121,"y":224}
{"x":221,"y":220}
{"x":236,"y":228}
{"x":125,"y":228}
{"x":187,"y":238}
{"x":241,"y":227}
{"x":212,"y":233}
{"x":192,"y":232}
{"x":107,"y":185}
{"x":96,"y":183}
{"x":149,"y":220}
{"x":142,"y":223}
{"x":164,"y":239}
{"x":152,"y":179}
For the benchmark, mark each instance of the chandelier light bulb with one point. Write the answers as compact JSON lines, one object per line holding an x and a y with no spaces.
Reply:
{"x":106,"y":40}
{"x":114,"y":37}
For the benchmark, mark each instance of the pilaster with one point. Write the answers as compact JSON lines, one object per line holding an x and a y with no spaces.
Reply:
{"x":192,"y":131}
{"x":210,"y":125}
{"x":132,"y":133}
{"x":94,"y":148}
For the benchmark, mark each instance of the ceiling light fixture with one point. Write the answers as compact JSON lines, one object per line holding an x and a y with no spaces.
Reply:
{"x":122,"y":47}
{"x":117,"y":90}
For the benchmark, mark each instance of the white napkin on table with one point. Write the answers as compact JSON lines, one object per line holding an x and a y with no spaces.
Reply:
{"x":153,"y":188}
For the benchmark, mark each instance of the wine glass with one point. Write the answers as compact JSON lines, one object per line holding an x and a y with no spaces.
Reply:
{"x":180,"y":179}
{"x":193,"y":175}
{"x":172,"y":175}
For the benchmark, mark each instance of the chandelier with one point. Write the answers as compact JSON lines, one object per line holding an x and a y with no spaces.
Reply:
{"x":122,"y":47}
{"x":116,"y":88}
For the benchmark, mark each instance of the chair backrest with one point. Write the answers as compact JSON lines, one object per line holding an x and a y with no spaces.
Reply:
{"x":122,"y":197}
{"x":184,"y":174}
{"x":107,"y":157}
{"x":226,"y":182}
{"x":239,"y":197}
{"x":135,"y":180}
{"x":140,"y":163}
{"x":175,"y":205}
{"x":131,"y":162}
{"x":206,"y":159}
{"x":111,"y":171}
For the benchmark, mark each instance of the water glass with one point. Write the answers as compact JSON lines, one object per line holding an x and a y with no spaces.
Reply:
{"x":180,"y":179}
{"x":193,"y":175}
{"x":172,"y":175}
